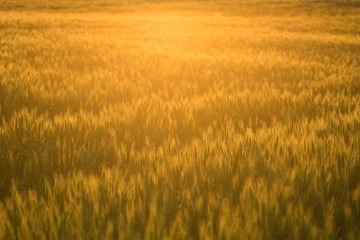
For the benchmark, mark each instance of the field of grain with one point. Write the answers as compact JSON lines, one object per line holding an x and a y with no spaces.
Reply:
{"x":179,"y":120}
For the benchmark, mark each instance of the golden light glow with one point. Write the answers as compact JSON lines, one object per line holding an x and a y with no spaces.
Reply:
{"x":179,"y":120}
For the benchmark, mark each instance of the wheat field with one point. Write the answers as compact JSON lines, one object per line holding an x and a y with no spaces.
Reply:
{"x":179,"y":120}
